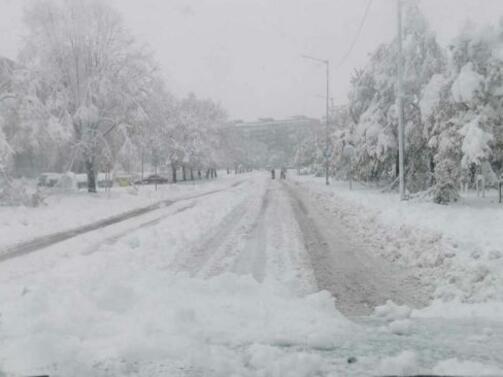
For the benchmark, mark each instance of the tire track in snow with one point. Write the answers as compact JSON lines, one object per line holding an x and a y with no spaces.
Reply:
{"x":288,"y":258}
{"x":111,"y":240}
{"x":221,"y":247}
{"x":195,"y":259}
{"x":263,"y":240}
{"x":359,"y":280}
{"x":39,"y":243}
{"x":252,"y":258}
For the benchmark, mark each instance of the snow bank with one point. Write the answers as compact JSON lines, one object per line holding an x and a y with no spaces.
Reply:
{"x":199,"y":323}
{"x":456,"y":249}
{"x":391,"y":311}
{"x":397,"y":317}
{"x":66,"y":211}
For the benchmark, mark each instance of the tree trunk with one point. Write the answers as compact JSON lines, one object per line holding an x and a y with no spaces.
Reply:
{"x":173,"y":172}
{"x":91,"y":176}
{"x":184,"y":173}
{"x":142,"y":163}
{"x":432,"y":170}
{"x":191,"y":174}
{"x":397,"y":165}
{"x":207,"y":173}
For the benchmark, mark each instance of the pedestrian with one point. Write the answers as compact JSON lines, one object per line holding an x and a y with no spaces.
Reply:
{"x":273,"y":174}
{"x":283,"y":173}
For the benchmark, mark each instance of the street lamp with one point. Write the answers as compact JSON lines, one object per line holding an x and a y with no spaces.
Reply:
{"x":326,"y":153}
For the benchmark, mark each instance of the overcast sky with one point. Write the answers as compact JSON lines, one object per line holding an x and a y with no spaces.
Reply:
{"x":246,"y":53}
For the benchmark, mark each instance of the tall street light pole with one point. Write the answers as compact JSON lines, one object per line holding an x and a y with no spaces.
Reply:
{"x":327,"y":139}
{"x":399,"y":100}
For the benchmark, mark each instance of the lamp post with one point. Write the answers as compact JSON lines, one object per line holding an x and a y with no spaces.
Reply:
{"x":327,"y":141}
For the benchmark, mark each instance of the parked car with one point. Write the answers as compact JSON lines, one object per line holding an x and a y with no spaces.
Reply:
{"x":152,"y":179}
{"x":123,"y":180}
{"x":48,"y":179}
{"x":102,"y":180}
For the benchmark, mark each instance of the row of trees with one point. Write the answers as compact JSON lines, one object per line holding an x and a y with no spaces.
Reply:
{"x":84,"y":96}
{"x":453,"y":112}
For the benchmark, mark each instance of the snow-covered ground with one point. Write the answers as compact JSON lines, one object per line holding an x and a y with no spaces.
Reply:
{"x":64,"y":211}
{"x":457,"y":249}
{"x":219,"y":285}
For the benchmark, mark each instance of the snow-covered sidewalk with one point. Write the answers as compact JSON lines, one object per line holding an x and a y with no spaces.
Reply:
{"x":457,"y":249}
{"x":68,"y":211}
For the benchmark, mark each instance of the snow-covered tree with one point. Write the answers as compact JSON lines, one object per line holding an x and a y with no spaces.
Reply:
{"x":373,"y":110}
{"x":198,"y":127}
{"x":93,"y":71}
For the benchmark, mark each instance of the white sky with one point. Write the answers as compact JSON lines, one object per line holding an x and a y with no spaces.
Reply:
{"x":246,"y":53}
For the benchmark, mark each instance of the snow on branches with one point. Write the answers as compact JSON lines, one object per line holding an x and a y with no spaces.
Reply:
{"x":84,"y":96}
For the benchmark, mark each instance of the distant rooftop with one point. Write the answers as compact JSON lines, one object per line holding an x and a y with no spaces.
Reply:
{"x":294,"y":120}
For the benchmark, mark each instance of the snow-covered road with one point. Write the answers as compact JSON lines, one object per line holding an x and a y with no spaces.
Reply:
{"x":239,"y":282}
{"x":41,"y":242}
{"x":358,"y":279}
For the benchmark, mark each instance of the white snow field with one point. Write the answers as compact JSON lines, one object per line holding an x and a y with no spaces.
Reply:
{"x":227,"y":284}
{"x":65,"y":211}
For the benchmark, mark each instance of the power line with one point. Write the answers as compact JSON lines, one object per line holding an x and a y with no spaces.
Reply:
{"x":357,"y":35}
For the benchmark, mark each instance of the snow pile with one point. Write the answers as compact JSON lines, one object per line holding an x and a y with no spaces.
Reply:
{"x":133,"y":316}
{"x":467,"y":85}
{"x":391,"y":311}
{"x":397,"y":317}
{"x":405,"y":363}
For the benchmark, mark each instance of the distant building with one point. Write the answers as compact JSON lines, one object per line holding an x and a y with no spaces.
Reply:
{"x":278,"y":139}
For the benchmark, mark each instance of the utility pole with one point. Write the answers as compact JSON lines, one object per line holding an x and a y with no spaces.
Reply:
{"x":327,"y":134}
{"x":399,"y":101}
